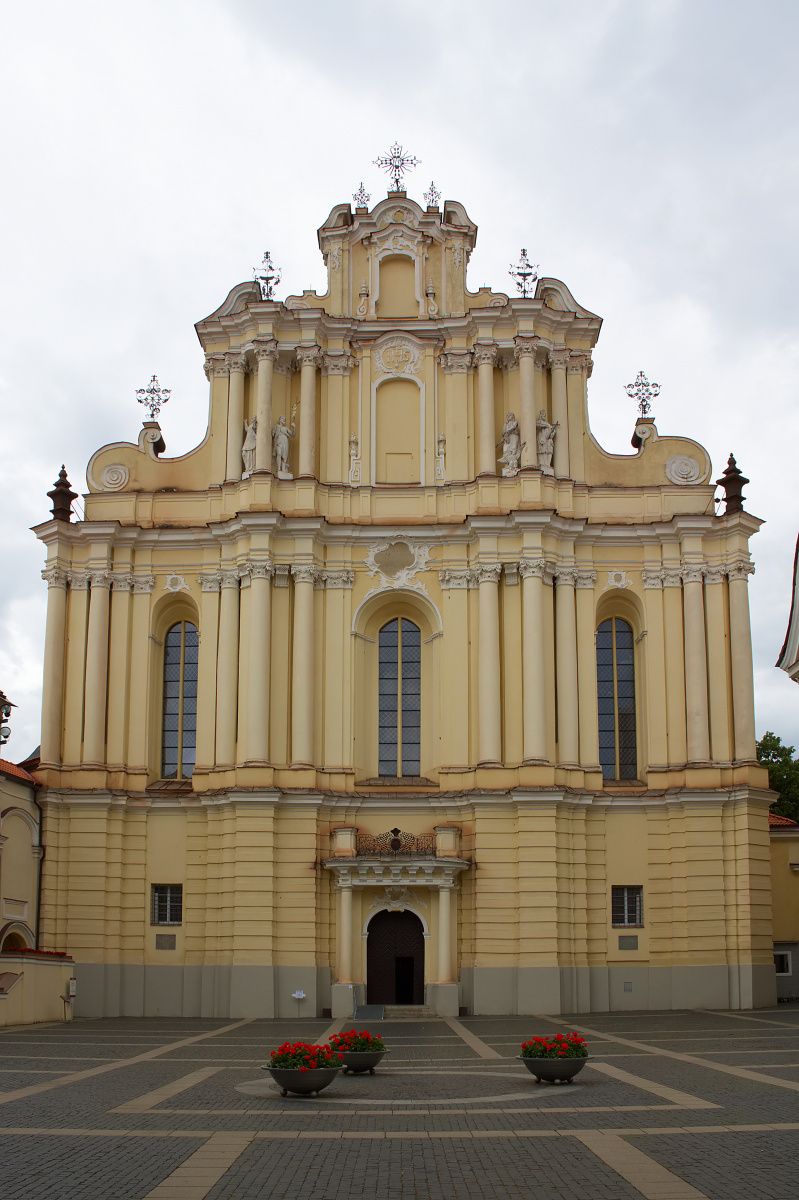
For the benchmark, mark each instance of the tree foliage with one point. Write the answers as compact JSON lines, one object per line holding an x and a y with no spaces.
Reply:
{"x":783,"y":774}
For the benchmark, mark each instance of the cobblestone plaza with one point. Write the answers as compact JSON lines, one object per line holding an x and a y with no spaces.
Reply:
{"x":672,"y":1106}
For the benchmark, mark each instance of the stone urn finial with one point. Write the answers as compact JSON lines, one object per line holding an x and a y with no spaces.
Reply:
{"x":733,"y":482}
{"x":62,"y":497}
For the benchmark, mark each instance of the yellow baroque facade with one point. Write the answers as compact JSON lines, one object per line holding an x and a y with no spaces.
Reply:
{"x":398,"y":688}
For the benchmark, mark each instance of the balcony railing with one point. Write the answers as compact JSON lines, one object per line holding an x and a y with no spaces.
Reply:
{"x":396,"y":844}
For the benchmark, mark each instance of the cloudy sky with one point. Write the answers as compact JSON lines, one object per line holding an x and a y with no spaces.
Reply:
{"x":644,"y":151}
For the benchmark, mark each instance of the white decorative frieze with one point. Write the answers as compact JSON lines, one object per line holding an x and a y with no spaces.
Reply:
{"x":396,"y":356}
{"x":457,"y":579}
{"x":175,"y":583}
{"x":396,"y":899}
{"x":394,"y":562}
{"x":617,"y":579}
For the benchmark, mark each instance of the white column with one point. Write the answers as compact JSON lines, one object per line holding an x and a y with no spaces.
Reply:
{"x":266,"y":354}
{"x":208,"y":698}
{"x":695,"y":664}
{"x":587,"y":705}
{"x":259,"y":661}
{"x":558,"y":360}
{"x":444,"y":933}
{"x":566,"y":666}
{"x":524,"y":351}
{"x":54,"y":659}
{"x":308,"y":358}
{"x":489,"y":731}
{"x":228,"y":670}
{"x":235,"y":415}
{"x":345,"y":933}
{"x":96,"y":669}
{"x":743,"y":701}
{"x":485,"y":356}
{"x":302,"y":667}
{"x":534,"y":720}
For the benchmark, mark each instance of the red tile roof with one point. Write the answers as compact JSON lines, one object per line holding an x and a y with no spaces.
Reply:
{"x":776,"y":819}
{"x":12,"y":769}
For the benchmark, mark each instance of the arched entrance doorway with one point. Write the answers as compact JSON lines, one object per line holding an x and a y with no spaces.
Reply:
{"x":395,"y":959}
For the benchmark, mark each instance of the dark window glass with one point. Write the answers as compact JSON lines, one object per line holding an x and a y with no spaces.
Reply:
{"x":615,"y":682}
{"x":179,"y":726}
{"x":167,"y":904}
{"x":627,"y":905}
{"x":399,"y":716}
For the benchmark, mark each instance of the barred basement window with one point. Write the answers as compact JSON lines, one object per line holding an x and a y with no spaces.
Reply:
{"x":179,"y":731}
{"x":400,"y":698}
{"x":167,"y":907}
{"x":615,"y":680}
{"x":627,"y":905}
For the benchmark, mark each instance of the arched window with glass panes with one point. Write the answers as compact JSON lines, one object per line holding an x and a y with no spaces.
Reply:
{"x":615,"y":678}
{"x":179,"y":727}
{"x":399,"y":698}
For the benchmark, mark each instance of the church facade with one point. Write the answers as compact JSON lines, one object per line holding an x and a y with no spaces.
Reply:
{"x":399,"y":688}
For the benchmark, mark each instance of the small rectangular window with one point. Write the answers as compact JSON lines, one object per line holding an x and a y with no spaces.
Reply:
{"x":782,"y":962}
{"x":627,"y":905}
{"x":167,"y":904}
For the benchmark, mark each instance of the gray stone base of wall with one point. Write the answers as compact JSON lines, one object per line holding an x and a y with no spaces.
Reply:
{"x":135,"y":990}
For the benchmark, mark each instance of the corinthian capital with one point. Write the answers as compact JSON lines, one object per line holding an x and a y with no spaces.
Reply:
{"x":652,"y":580}
{"x":55,"y":577}
{"x":339,"y":579}
{"x":567,"y":575}
{"x":229,"y":579}
{"x":78,"y":580}
{"x":524,"y":345}
{"x":488,"y":572}
{"x":485,"y":354}
{"x":143,"y":583}
{"x":260,"y":570}
{"x":534,"y":568}
{"x":210,"y":581}
{"x":740,"y":570}
{"x":457,"y":579}
{"x":586,"y":579}
{"x":456,"y":362}
{"x":309,"y":356}
{"x":338,"y":362}
{"x":265,"y":348}
{"x":302,"y":573}
{"x":121,"y":582}
{"x":559,"y":359}
{"x":236,"y":362}
{"x":693,"y":572}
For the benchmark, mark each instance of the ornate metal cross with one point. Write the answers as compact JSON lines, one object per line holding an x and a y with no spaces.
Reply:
{"x":361,"y":197}
{"x":432,"y":196}
{"x":525,"y":274}
{"x":153,"y":397}
{"x":642,"y":391}
{"x":267,"y":276}
{"x":397,"y":162}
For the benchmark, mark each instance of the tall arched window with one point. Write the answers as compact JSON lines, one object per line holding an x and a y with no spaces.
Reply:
{"x":181,"y":646}
{"x":615,"y":677}
{"x":400,"y":698}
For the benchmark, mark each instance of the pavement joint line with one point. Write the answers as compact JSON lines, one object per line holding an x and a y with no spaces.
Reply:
{"x":410,"y":1112}
{"x":471,"y":1039}
{"x":77,"y":1076}
{"x":682,"y":1099}
{"x":336,"y":1027}
{"x":149,"y":1100}
{"x":652,"y":1180}
{"x":327,"y":1135}
{"x":195,"y":1177}
{"x":760,"y":1020}
{"x":725,"y":1068}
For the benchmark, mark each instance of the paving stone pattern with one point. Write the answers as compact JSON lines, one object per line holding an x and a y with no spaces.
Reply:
{"x":439,"y":1120}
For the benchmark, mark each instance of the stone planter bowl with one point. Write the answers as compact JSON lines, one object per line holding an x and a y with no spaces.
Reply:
{"x":358,"y":1062}
{"x":554,"y":1070}
{"x":302,"y":1083}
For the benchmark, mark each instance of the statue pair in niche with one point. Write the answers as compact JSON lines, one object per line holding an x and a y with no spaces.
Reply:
{"x":512,"y":444}
{"x":282,"y":436}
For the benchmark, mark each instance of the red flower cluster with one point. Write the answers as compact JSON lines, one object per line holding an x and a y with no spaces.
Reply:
{"x":304,"y":1056}
{"x":354,"y":1041}
{"x":33,"y":950}
{"x":558,"y":1046}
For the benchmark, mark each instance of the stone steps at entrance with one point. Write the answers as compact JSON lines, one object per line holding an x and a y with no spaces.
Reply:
{"x":393,"y":1012}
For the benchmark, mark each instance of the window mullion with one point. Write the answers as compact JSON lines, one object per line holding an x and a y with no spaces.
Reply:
{"x":399,"y":699}
{"x":181,"y":688}
{"x":617,"y":772}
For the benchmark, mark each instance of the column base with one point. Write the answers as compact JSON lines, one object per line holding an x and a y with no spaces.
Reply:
{"x":342,"y":1000}
{"x":444,"y":998}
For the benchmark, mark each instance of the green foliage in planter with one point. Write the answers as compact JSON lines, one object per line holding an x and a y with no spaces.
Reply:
{"x":558,"y":1046}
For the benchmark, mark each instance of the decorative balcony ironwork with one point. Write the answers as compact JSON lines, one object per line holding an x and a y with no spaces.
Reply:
{"x":396,"y":844}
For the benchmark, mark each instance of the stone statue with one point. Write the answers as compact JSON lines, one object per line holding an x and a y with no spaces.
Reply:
{"x":248,"y":449}
{"x":511,"y":444}
{"x":546,"y":442}
{"x":281,"y":446}
{"x":353,"y":445}
{"x":441,"y":445}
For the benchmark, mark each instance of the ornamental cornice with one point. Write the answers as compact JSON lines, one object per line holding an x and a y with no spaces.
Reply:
{"x":142,"y":583}
{"x":463,"y":578}
{"x":586,"y":579}
{"x":525,"y":345}
{"x":456,"y":362}
{"x":55,"y":577}
{"x":487,"y":572}
{"x":265,"y":348}
{"x":303,"y":573}
{"x":309,"y":355}
{"x":210,"y":581}
{"x":375,"y":872}
{"x":236,"y":362}
{"x":79,"y":580}
{"x":485,"y":354}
